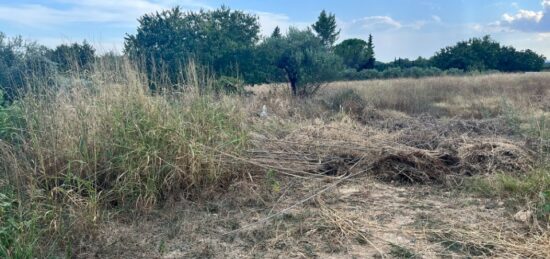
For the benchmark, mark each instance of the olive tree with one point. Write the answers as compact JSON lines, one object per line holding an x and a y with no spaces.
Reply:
{"x":303,"y":59}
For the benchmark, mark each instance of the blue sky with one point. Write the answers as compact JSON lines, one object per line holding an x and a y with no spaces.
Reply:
{"x":401,"y":28}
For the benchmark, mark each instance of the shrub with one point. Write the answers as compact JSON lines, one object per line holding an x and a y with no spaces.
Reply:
{"x":221,"y":39}
{"x":392,"y":72}
{"x":352,"y":74}
{"x":228,"y":85}
{"x":23,"y":65}
{"x":347,"y":101}
{"x":76,"y":56}
{"x":454,"y":72}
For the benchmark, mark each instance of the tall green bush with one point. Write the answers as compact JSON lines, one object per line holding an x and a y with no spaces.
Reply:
{"x":303,"y":59}
{"x":221,"y":39}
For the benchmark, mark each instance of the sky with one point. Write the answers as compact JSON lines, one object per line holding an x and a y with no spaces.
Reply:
{"x":401,"y":28}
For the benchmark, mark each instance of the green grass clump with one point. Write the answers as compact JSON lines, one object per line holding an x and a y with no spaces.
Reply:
{"x":129,"y":147}
{"x":72,"y":154}
{"x":19,"y":235}
{"x":531,"y":189}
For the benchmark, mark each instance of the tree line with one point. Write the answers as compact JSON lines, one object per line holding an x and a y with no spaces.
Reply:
{"x":228,"y":44}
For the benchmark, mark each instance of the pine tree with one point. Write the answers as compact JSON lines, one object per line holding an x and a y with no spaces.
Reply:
{"x":370,"y":54}
{"x":276,"y":33}
{"x":325,"y":27}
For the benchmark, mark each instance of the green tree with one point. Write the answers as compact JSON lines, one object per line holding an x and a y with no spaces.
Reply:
{"x":511,"y":60}
{"x":75,"y":56}
{"x":370,"y":54}
{"x":357,"y":53}
{"x":486,"y":54}
{"x":353,"y":53}
{"x":276,"y":33}
{"x":220,"y":39}
{"x":23,"y":65}
{"x":303,"y":59}
{"x":325,"y":27}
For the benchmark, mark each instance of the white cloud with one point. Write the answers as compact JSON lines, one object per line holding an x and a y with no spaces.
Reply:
{"x":527,"y":20}
{"x":523,"y":15}
{"x":121,"y":12}
{"x":117,"y":13}
{"x":268,"y":22}
{"x":378,"y":22}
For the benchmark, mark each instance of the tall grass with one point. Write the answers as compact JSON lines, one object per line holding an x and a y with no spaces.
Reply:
{"x":467,"y":97}
{"x":105,"y":141}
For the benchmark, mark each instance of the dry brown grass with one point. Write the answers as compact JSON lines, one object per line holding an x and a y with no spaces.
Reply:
{"x":466,"y":97}
{"x":106,"y":143}
{"x":335,"y":175}
{"x":433,"y":130}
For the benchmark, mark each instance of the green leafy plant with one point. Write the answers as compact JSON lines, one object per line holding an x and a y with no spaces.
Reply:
{"x":18,"y":228}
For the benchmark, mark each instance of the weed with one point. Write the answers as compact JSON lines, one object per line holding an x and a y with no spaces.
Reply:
{"x":511,"y":115}
{"x":397,"y":251}
{"x":531,"y":189}
{"x":272,"y":182}
{"x":453,"y":244}
{"x":19,"y":232}
{"x":346,"y":101}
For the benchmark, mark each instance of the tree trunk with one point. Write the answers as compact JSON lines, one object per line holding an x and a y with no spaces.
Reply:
{"x":293,"y":87}
{"x":293,"y":80}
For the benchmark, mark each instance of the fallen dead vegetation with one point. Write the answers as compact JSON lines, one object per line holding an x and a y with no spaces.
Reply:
{"x":339,"y":148}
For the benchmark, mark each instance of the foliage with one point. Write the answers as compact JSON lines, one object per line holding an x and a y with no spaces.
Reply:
{"x":486,"y":54}
{"x":355,"y":54}
{"x":276,"y":33}
{"x":23,"y":65}
{"x":370,"y":54}
{"x":74,"y":56}
{"x":325,"y":27}
{"x":18,"y":227}
{"x":396,"y":72}
{"x":406,"y":63}
{"x":220,"y":39}
{"x":303,"y":59}
{"x":228,"y":85}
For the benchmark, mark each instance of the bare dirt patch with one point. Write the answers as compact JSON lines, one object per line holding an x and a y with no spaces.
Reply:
{"x":359,"y":218}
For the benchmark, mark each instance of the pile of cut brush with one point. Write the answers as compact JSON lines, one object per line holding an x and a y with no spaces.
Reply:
{"x":342,"y":148}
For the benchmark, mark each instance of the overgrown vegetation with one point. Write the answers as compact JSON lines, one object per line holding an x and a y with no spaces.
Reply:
{"x":85,"y":139}
{"x":84,"y":149}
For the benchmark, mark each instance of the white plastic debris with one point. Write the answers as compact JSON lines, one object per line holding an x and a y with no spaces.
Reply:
{"x":263,"y":114}
{"x":523,"y":216}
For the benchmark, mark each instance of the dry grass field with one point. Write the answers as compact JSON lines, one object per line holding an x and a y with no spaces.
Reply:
{"x":408,"y":168}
